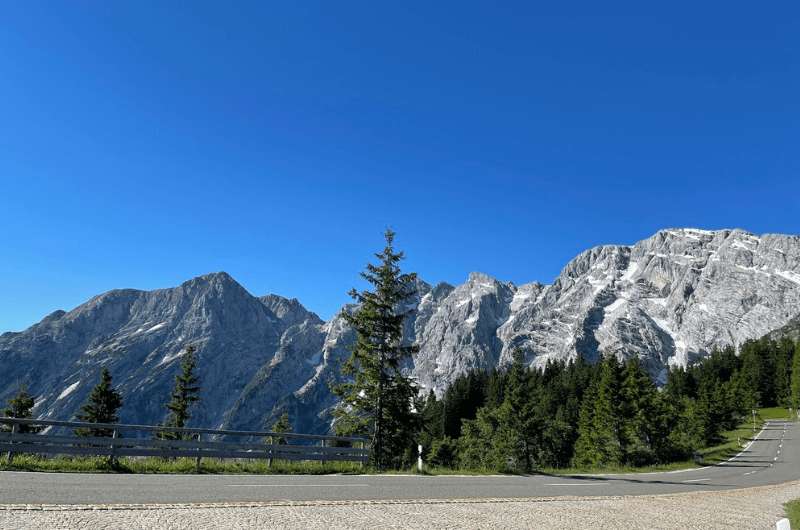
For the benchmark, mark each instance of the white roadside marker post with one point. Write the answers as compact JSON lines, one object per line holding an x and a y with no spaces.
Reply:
{"x":198,"y":437}
{"x":419,"y":458}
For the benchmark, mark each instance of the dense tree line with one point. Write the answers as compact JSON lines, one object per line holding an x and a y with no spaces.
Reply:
{"x":607,"y":414}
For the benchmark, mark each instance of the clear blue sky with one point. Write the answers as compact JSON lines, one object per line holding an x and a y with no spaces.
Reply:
{"x":143,"y":143}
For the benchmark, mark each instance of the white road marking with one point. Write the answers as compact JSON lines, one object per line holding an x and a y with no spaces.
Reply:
{"x":746,"y":447}
{"x":776,"y":458}
{"x":568,"y":484}
{"x":697,"y":480}
{"x":297,"y":485}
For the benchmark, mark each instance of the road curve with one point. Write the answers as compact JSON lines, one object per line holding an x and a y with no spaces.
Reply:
{"x":772,"y":458}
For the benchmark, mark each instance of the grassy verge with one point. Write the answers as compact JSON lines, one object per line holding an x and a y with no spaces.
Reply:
{"x":793,"y":512}
{"x":772,"y":413}
{"x":178,"y":465}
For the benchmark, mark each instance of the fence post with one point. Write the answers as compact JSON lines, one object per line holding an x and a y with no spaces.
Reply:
{"x":269,"y":452}
{"x":361,"y":460}
{"x":322,"y":460}
{"x":199,"y":449}
{"x":10,"y":456}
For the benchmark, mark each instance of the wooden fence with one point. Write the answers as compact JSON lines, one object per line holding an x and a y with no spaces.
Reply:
{"x":144,"y":440}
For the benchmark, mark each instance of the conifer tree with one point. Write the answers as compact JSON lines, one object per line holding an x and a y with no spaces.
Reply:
{"x":102,"y":406}
{"x":477,"y":445}
{"x":282,"y":425}
{"x":637,"y":410}
{"x":517,"y":419}
{"x":587,"y":452}
{"x":21,"y":406}
{"x":783,"y":362}
{"x":795,"y":377}
{"x":599,"y":441}
{"x":376,"y":399}
{"x":185,"y":393}
{"x":669,"y":441}
{"x":495,"y":388}
{"x":461,"y":401}
{"x":432,"y":419}
{"x":750,"y":374}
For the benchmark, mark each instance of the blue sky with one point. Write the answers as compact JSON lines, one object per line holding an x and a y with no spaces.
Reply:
{"x":144,"y":143}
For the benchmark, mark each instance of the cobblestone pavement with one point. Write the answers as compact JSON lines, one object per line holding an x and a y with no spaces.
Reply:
{"x":745,"y":508}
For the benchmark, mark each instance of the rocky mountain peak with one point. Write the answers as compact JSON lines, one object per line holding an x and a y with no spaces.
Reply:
{"x":289,"y":310}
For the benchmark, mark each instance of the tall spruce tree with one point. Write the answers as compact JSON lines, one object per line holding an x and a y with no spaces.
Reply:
{"x":21,"y":406}
{"x":185,"y":393}
{"x":750,"y":375}
{"x":518,"y":424}
{"x":587,"y":452}
{"x":637,"y":406}
{"x":102,"y":407}
{"x":376,"y":398}
{"x":599,"y":442}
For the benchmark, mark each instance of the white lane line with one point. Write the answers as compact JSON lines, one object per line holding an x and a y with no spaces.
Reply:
{"x":776,"y":458}
{"x":568,"y":484}
{"x":297,"y":485}
{"x":746,"y":447}
{"x":697,"y":480}
{"x":749,"y":472}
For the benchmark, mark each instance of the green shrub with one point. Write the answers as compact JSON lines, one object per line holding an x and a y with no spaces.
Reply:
{"x":442,"y":452}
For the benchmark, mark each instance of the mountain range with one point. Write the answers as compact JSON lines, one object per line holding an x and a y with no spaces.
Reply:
{"x":668,"y":299}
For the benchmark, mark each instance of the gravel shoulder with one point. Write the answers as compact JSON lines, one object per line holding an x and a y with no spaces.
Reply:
{"x":758,"y":507}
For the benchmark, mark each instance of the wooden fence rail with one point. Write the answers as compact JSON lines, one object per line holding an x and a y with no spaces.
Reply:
{"x":317,"y":447}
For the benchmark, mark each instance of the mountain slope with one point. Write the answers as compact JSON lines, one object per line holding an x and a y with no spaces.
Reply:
{"x":667,"y":299}
{"x":790,"y":330}
{"x":140,"y":336}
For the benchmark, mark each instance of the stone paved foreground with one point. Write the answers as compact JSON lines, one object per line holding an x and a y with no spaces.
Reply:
{"x":746,"y":508}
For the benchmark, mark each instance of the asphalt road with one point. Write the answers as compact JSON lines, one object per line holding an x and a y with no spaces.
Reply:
{"x":773,"y":458}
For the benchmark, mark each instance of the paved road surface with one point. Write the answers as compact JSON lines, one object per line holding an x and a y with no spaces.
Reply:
{"x":773,"y":458}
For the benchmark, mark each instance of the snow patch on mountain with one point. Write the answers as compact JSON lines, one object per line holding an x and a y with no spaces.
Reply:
{"x":69,"y":390}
